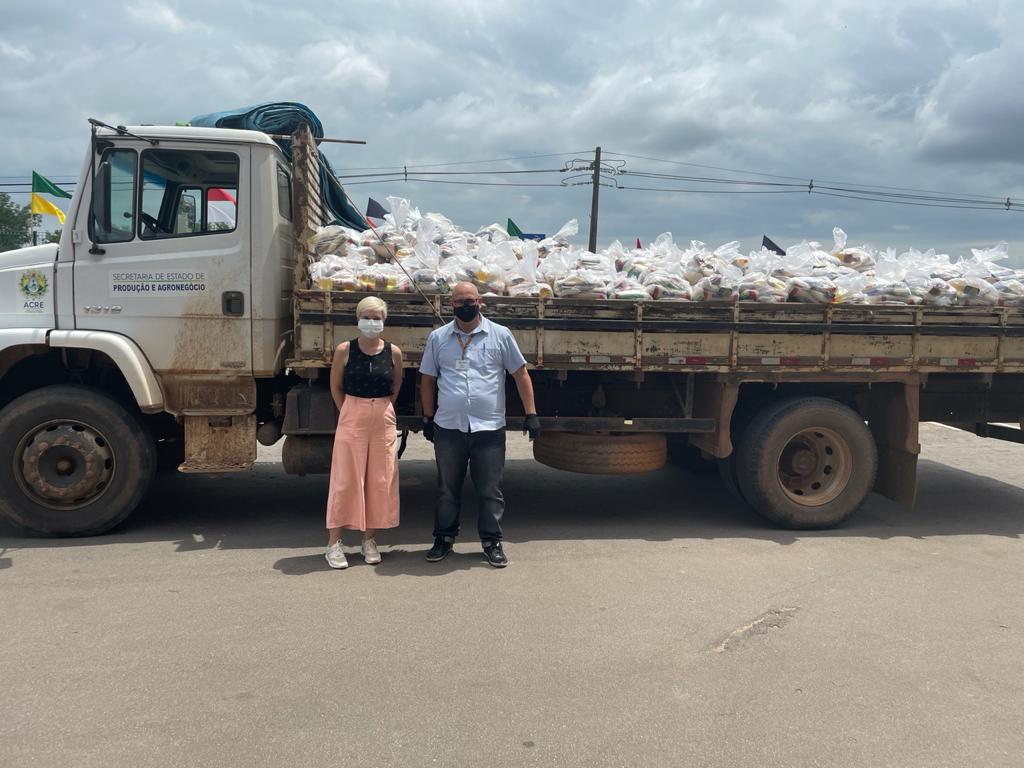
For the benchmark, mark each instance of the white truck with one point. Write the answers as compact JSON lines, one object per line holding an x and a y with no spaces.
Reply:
{"x":175,"y":324}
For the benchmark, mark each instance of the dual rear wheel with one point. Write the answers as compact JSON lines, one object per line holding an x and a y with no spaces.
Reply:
{"x":804,"y":463}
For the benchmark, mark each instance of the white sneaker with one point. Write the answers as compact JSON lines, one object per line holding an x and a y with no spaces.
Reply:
{"x":336,"y":556}
{"x":370,"y":553}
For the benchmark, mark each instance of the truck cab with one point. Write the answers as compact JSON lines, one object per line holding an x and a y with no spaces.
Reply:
{"x":154,"y":328}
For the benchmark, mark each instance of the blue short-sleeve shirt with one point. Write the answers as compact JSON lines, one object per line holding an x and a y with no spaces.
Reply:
{"x":471,"y":394}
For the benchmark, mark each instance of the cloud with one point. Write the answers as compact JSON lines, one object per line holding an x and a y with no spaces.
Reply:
{"x":920,"y":93}
{"x":161,"y":17}
{"x":970,"y":116}
{"x":15,"y":51}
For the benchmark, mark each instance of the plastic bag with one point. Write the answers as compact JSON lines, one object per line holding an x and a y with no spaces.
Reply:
{"x":974,"y":292}
{"x":850,"y":289}
{"x":628,"y":289}
{"x":858,"y":259}
{"x":1011,"y":292}
{"x":811,"y":290}
{"x":525,"y":280}
{"x":762,"y":287}
{"x":721,"y":286}
{"x":928,"y":289}
{"x":882,"y":291}
{"x":333,"y":240}
{"x":660,"y":283}
{"x":582,"y":284}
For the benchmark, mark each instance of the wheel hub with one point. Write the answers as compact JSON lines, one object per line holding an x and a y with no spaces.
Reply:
{"x":65,"y":464}
{"x":815,"y":466}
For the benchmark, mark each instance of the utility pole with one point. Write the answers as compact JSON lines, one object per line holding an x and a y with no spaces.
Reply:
{"x":593,"y":202}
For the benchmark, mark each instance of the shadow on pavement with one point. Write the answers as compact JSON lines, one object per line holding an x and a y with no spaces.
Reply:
{"x":405,"y":562}
{"x":265,"y":508}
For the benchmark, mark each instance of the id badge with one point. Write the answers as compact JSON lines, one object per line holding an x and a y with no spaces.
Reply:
{"x":462,"y":364}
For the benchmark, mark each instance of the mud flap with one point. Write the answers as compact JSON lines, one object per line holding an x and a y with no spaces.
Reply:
{"x":893,"y":417}
{"x":219,"y":443}
{"x":714,"y":400}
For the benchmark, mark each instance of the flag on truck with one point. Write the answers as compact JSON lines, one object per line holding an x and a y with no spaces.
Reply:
{"x":513,"y":230}
{"x":44,"y":186}
{"x":375,"y":210}
{"x":42,"y":205}
{"x":766,"y":242}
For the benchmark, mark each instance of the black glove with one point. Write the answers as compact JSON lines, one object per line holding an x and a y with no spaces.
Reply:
{"x":532,"y":425}
{"x":428,"y":428}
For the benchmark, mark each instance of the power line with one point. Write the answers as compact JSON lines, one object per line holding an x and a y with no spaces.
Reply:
{"x":926,"y":205}
{"x":401,"y":172}
{"x":711,"y":179}
{"x":994,"y":201}
{"x":460,"y":162}
{"x":798,"y":178}
{"x":720,"y":191}
{"x":452,"y":181}
{"x":709,"y":167}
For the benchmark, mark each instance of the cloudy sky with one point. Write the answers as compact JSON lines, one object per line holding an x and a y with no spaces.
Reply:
{"x":921,"y":94}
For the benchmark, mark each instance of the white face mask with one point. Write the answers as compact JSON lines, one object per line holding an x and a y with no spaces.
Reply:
{"x":371,"y":329}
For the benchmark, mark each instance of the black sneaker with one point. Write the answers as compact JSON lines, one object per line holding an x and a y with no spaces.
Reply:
{"x":494,"y":554}
{"x":441,"y":549}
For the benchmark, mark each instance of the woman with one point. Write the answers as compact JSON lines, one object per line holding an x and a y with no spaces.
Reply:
{"x":365,"y":378}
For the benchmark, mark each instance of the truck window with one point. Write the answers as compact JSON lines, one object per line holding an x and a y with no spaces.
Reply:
{"x":284,"y":193}
{"x":187,"y":192}
{"x":113,"y":219}
{"x":221,"y":209}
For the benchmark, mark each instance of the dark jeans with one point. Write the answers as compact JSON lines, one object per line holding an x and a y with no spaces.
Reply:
{"x":484,"y":455}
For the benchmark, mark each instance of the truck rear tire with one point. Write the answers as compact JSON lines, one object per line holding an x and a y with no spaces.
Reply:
{"x":727,"y":473}
{"x":601,"y":454}
{"x":73,"y":462}
{"x":806,"y":463}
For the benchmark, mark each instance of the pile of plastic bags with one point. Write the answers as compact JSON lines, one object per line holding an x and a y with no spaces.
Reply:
{"x":428,"y":252}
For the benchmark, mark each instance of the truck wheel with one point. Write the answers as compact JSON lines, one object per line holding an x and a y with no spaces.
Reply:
{"x":686,"y":456}
{"x":727,"y":472}
{"x":601,"y":454}
{"x":807,"y":463}
{"x":73,"y":462}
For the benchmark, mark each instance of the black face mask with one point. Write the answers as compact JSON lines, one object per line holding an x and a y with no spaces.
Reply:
{"x":467,"y":312}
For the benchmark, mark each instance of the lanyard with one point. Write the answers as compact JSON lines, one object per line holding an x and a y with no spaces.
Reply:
{"x":464,"y":347}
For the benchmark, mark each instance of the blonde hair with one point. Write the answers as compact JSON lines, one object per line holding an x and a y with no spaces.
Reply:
{"x":371,"y":303}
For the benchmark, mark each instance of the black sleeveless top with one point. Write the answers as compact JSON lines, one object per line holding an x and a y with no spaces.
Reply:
{"x":369,"y":375}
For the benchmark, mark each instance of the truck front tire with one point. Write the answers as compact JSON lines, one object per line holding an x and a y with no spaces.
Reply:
{"x":806,"y":463}
{"x":73,"y":462}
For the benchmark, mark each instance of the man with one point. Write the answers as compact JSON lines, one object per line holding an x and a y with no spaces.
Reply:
{"x":464,"y":364}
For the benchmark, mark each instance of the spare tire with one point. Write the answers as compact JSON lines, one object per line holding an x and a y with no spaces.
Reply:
{"x":601,"y":454}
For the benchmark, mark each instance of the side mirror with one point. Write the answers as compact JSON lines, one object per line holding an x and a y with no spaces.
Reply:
{"x":101,"y":202}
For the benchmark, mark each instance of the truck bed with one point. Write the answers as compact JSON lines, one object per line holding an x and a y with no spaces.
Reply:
{"x":667,"y":336}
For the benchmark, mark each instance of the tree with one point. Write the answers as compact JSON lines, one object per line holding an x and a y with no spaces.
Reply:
{"x":52,"y":237}
{"x":15,"y":222}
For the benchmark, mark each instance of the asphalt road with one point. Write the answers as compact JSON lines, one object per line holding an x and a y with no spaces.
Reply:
{"x":643,"y":621}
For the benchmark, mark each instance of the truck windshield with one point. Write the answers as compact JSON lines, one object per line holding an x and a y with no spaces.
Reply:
{"x":188,"y":192}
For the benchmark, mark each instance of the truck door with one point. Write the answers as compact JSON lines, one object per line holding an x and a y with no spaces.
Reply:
{"x":172,"y":222}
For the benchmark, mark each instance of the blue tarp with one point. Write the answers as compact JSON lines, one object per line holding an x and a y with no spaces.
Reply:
{"x":284,"y":117}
